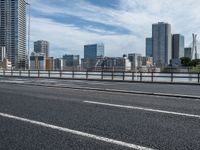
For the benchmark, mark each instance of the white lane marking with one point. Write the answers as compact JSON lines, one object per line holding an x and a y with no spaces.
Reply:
{"x":144,"y":109}
{"x":75,"y":132}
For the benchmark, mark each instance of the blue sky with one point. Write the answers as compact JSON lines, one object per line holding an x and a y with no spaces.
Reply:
{"x":121,"y":25}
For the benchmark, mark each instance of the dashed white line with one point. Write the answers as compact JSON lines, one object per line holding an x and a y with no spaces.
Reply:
{"x":145,"y":109}
{"x":75,"y":132}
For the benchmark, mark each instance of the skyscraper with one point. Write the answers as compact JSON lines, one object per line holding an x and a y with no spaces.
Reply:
{"x":149,"y":47}
{"x":13,"y":31}
{"x":178,"y":45}
{"x":162,"y":44}
{"x":42,"y":47}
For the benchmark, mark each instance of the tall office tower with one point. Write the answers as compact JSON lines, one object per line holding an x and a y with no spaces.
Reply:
{"x":42,"y":47}
{"x":178,"y":45}
{"x":149,"y":47}
{"x":162,"y":44}
{"x":93,"y":51}
{"x":13,"y":31}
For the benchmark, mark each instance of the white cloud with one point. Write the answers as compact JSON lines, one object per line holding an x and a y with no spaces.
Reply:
{"x":135,"y":16}
{"x":72,"y":38}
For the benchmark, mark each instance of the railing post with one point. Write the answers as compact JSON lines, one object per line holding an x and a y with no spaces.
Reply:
{"x":101,"y":75}
{"x":73,"y":74}
{"x":4,"y":73}
{"x":29,"y":73}
{"x":60,"y":74}
{"x":152,"y":75}
{"x":140,"y":76}
{"x":11,"y":73}
{"x":87,"y":75}
{"x":123,"y":76}
{"x":172,"y":77}
{"x":38,"y":73}
{"x":20,"y":73}
{"x":133,"y":76}
{"x":49,"y":74}
{"x":198,"y":77}
{"x":112,"y":75}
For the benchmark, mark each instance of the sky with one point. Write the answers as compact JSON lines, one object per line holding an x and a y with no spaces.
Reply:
{"x":122,"y":25}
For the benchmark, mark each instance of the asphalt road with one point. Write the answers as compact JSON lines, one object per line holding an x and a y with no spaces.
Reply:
{"x":129,"y":86}
{"x":40,"y":117}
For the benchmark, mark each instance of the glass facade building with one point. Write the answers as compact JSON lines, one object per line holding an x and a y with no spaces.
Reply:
{"x":13,"y":31}
{"x":71,"y":60}
{"x":149,"y":47}
{"x":93,"y":51}
{"x":162,"y":44}
{"x":178,"y":45}
{"x":188,"y":52}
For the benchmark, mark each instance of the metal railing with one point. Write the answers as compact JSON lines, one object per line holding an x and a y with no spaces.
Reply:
{"x":101,"y":75}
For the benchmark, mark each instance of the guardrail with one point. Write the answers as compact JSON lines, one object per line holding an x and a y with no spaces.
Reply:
{"x":115,"y":76}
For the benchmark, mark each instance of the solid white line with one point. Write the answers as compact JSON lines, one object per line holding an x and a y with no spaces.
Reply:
{"x":145,"y":109}
{"x":75,"y":132}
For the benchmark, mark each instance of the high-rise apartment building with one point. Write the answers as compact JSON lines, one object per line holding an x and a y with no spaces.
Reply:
{"x":13,"y":31}
{"x":42,"y":47}
{"x":178,"y":45}
{"x":162,"y":44}
{"x":149,"y":47}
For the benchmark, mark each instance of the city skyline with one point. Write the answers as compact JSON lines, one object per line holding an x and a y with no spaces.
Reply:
{"x":121,"y":25}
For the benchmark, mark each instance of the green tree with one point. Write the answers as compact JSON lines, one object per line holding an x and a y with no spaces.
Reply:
{"x":186,"y":61}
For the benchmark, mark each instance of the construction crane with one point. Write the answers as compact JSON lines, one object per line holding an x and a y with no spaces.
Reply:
{"x":29,"y":29}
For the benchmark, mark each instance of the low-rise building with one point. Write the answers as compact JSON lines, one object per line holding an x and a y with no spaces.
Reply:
{"x":188,"y":52}
{"x":71,"y":62}
{"x":58,"y":64}
{"x":49,"y":63}
{"x":6,"y":64}
{"x":136,"y":61}
{"x":114,"y":64}
{"x":37,"y":61}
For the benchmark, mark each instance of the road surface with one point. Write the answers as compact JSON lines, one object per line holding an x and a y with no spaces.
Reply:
{"x":43,"y":117}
